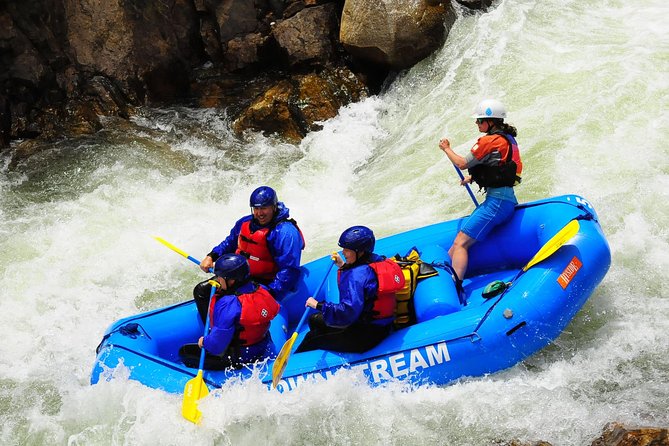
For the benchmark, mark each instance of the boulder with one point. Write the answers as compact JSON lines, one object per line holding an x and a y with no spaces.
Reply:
{"x":308,"y":36}
{"x":148,"y":47}
{"x":616,"y":434}
{"x":394,"y":33}
{"x":294,"y":106}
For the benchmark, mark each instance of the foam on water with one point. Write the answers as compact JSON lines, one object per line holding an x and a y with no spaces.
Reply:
{"x":586,"y":85}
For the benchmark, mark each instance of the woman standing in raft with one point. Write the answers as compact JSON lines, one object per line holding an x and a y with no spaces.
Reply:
{"x":494,"y":164}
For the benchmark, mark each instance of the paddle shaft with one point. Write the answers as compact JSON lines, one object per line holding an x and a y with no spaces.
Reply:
{"x":196,"y":389}
{"x":179,"y":251}
{"x":548,"y":249}
{"x":282,"y":360}
{"x":318,"y":290}
{"x":469,"y":190}
{"x":563,"y":235}
{"x":206,"y":328}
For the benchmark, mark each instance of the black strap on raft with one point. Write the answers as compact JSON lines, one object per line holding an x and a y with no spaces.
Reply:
{"x":129,"y":329}
{"x":458,"y":282}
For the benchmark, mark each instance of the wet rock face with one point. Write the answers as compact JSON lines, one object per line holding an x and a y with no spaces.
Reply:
{"x":68,"y":62}
{"x":394,"y":33}
{"x":292,"y":108}
{"x":308,"y":36}
{"x":616,"y":434}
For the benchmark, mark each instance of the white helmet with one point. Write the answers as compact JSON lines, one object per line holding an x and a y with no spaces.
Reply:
{"x":490,"y":108}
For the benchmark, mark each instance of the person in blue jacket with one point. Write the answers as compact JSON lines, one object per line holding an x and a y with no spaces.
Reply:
{"x":270,"y":240}
{"x":240,"y":313}
{"x":365,"y":312}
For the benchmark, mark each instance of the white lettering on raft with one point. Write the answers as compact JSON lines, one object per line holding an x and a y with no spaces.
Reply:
{"x":384,"y":369}
{"x":395,"y":366}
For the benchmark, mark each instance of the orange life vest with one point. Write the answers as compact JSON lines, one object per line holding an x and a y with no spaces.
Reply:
{"x":506,"y":171}
{"x":391,"y":279}
{"x":258,"y":310}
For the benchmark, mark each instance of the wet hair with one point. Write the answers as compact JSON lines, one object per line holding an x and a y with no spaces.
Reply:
{"x":503,"y":126}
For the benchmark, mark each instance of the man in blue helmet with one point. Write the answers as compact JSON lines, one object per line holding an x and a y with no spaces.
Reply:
{"x":270,"y":240}
{"x":239,"y":316}
{"x":367,"y":285}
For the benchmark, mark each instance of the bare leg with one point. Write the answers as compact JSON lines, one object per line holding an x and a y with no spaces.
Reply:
{"x":459,"y":253}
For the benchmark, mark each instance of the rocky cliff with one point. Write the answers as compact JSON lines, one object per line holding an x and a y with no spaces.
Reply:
{"x":277,"y":66}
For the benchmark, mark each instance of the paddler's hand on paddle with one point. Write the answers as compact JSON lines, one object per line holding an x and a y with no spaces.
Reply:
{"x":457,"y":160}
{"x":200,"y":342}
{"x":445,"y":145}
{"x":206,"y":264}
{"x":311,"y":302}
{"x":337,"y":259}
{"x":466,"y":180}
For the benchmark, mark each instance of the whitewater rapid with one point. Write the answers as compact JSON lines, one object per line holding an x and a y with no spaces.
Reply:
{"x":586,"y":84}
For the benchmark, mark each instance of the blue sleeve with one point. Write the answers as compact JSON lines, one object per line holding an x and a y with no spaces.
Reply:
{"x":226,"y":314}
{"x":286,"y":244}
{"x":229,"y":245}
{"x":354,"y":285}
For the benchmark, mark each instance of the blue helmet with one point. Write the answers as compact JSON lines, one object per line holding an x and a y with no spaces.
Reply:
{"x":358,"y":238}
{"x":232,"y":266}
{"x":263,"y":196}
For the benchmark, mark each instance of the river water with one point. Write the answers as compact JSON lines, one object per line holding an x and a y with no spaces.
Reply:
{"x":587,"y":85}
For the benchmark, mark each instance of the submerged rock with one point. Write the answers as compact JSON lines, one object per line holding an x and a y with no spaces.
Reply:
{"x":616,"y":434}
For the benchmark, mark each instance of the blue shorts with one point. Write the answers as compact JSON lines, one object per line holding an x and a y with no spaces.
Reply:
{"x":492,"y":212}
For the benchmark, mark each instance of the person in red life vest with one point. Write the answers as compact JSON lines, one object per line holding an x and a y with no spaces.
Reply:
{"x":494,"y":164}
{"x":367,"y":284}
{"x":269,"y":239}
{"x":239,"y":316}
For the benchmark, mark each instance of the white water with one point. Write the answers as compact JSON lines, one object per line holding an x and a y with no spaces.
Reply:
{"x":587,"y":85}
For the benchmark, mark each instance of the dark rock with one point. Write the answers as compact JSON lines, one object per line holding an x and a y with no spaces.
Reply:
{"x":616,"y":434}
{"x":394,"y":33}
{"x":292,"y":107}
{"x":308,"y":35}
{"x":244,"y":51}
{"x":69,"y":62}
{"x":475,"y":4}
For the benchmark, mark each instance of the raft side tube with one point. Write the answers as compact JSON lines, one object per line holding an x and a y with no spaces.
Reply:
{"x":436,"y":295}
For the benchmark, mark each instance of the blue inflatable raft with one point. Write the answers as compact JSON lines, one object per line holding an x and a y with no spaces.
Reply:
{"x":453,"y":336}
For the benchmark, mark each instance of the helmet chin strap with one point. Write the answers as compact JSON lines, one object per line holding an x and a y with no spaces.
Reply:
{"x":491,"y":126}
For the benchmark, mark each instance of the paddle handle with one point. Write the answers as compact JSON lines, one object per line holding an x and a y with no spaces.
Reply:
{"x":179,"y":251}
{"x":206,"y":328}
{"x":318,"y":290}
{"x":197,"y":262}
{"x":469,"y":189}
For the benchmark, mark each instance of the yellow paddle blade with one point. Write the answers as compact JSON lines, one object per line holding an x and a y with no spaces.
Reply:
{"x":194,"y":390}
{"x":554,"y":243}
{"x":282,"y":360}
{"x":169,"y":245}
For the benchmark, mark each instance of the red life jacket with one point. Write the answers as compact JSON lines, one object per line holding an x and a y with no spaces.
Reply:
{"x":253,"y":246}
{"x":258,"y":310}
{"x":391,"y":279}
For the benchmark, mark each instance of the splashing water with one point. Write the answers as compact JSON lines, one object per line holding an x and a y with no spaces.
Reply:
{"x":586,"y":85}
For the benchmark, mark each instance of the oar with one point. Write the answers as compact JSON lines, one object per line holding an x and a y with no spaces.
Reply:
{"x":469,"y":190}
{"x":565,"y":234}
{"x":195,"y":389}
{"x":178,"y":251}
{"x":552,"y":245}
{"x":282,"y":360}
